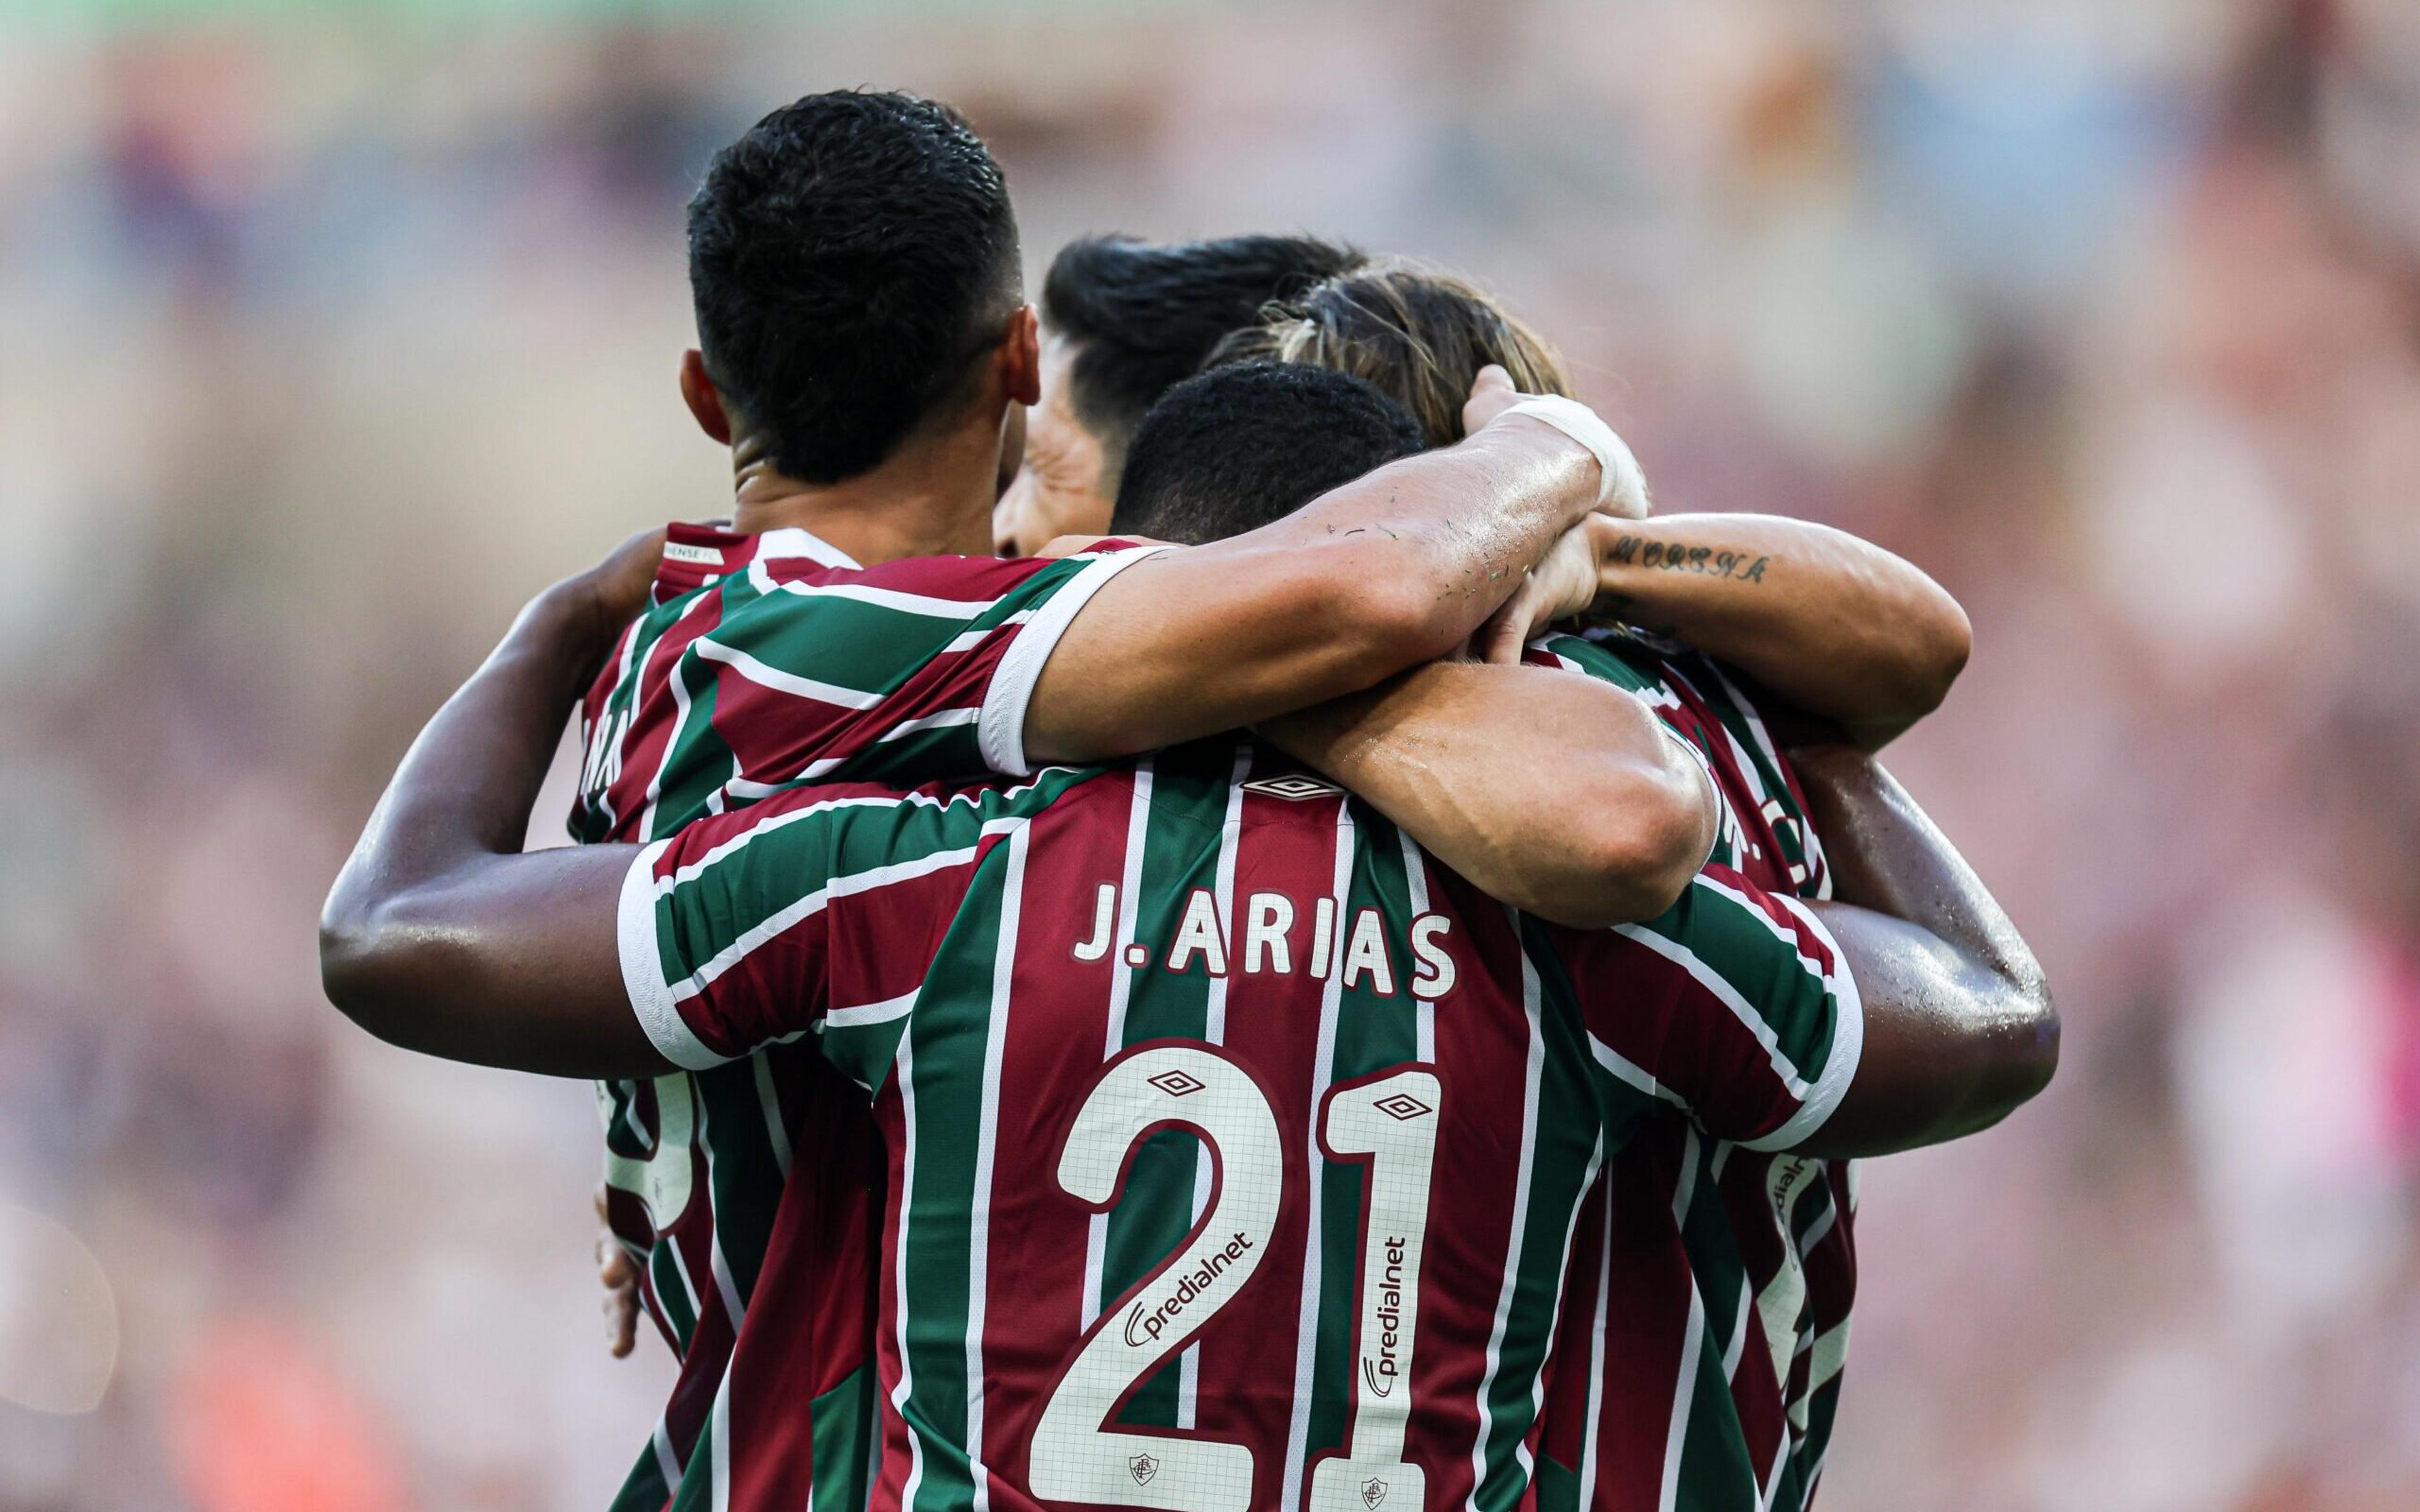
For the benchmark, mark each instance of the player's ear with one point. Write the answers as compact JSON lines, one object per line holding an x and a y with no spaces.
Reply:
{"x":1019,"y":358}
{"x":704,"y":399}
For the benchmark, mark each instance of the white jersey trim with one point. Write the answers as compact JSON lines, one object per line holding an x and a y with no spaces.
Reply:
{"x":1001,"y":732}
{"x":642,"y":970}
{"x":1848,"y":1042}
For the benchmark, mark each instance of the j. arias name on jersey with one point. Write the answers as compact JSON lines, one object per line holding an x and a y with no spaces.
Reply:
{"x":1278,"y":935}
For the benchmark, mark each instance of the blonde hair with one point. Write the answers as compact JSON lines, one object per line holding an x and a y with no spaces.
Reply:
{"x":1420,"y":333}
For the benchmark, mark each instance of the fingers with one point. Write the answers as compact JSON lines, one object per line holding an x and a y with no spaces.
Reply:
{"x":1491,"y":395}
{"x":621,"y":1308}
{"x":1505,"y":635}
{"x":618,"y":1274}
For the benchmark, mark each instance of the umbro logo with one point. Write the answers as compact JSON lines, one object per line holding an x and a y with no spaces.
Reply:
{"x":1295,"y":789}
{"x":1402,"y":1107}
{"x":1176,"y":1083}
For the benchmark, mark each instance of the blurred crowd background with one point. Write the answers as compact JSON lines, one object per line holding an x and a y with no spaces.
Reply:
{"x":329,"y":333}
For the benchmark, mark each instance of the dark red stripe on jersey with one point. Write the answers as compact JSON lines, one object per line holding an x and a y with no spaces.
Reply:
{"x":1034,"y":1309}
{"x":1482,"y":1033}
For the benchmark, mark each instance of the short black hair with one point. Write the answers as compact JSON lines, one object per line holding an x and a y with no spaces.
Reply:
{"x":1144,"y":318}
{"x":849,"y":257}
{"x":1250,"y":442}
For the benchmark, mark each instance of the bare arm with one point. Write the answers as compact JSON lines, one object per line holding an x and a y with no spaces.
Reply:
{"x":1959,"y":1029}
{"x":439,"y":935}
{"x":1394,"y":569}
{"x":1555,"y":793}
{"x":1832,"y":625}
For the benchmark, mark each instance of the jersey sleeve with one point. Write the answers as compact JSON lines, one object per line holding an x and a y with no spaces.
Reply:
{"x":909,"y":672}
{"x":819,"y":909}
{"x":1734,"y":1006}
{"x":1765,"y":831}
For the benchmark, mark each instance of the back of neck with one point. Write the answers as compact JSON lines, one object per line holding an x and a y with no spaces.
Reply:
{"x":929,"y":498}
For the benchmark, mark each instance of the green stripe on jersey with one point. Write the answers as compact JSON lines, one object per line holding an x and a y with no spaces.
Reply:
{"x":1721,"y":936}
{"x":945,"y":1073}
{"x":1165,"y":1179}
{"x":847,"y":1441}
{"x":1371,"y":1032}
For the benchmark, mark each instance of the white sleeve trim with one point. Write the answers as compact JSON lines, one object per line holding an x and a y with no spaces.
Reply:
{"x":643,"y":971}
{"x":1001,"y":732}
{"x":1848,"y":1042}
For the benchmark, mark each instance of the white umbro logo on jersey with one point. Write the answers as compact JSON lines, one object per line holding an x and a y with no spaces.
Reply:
{"x":1295,"y":789}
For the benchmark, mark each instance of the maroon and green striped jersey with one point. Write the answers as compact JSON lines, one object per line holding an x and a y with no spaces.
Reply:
{"x":1235,"y":1148}
{"x":762,"y":661}
{"x":1705,"y":1319}
{"x":1737,"y":1225}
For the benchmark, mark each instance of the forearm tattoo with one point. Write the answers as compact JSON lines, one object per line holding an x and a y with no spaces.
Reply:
{"x":1741,"y":566}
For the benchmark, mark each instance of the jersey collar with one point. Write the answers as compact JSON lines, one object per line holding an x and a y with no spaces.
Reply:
{"x":695,"y":555}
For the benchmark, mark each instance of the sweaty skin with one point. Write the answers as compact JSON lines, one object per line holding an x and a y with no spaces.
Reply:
{"x":1832,"y":625}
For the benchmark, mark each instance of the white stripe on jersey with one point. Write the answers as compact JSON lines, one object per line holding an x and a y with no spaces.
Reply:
{"x":928,"y":605}
{"x":777,"y":1134}
{"x":1415,"y":882}
{"x":943,"y":721}
{"x":1847,"y":1038}
{"x":1589,"y":1435}
{"x":866,"y":1013}
{"x":1632,"y":1074}
{"x":1534,"y":1070}
{"x":1685,"y":1391}
{"x":1003,"y":975}
{"x":679,"y":686}
{"x":1322,"y":1072}
{"x":969,"y":640}
{"x":718,"y":1432}
{"x":1809,"y":842}
{"x":708,"y":648}
{"x":797,"y":541}
{"x":1725,"y":993}
{"x":1737,"y":1347}
{"x":726,"y":1285}
{"x":1213,"y":1029}
{"x":815,"y":903}
{"x":903,"y":1075}
{"x":1096,"y":1230}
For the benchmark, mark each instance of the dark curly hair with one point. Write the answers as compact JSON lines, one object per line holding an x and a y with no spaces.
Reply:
{"x":1250,"y":442}
{"x":850,"y":257}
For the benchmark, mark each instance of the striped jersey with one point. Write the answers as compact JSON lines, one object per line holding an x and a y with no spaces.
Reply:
{"x":678,"y":727}
{"x":761,"y":662}
{"x":1234,"y":1148}
{"x":1705,"y":1319}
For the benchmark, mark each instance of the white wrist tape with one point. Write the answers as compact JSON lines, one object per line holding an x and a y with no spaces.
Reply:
{"x":1624,"y":486}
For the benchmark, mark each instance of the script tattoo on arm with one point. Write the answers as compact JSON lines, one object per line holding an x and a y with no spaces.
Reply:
{"x":1629,"y":550}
